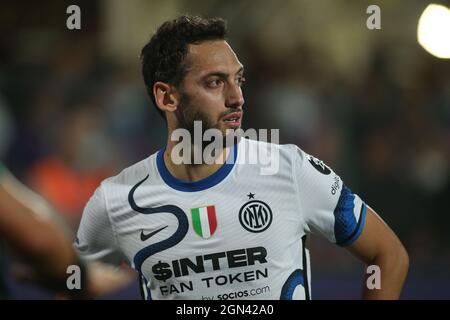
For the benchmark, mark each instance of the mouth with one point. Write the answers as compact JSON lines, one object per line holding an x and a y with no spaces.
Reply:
{"x":233,"y":119}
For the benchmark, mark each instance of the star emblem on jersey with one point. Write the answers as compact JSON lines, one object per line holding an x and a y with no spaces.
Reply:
{"x":255,"y":215}
{"x":204,"y":221}
{"x":251,"y":196}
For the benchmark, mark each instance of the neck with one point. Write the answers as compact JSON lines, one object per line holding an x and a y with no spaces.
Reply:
{"x":194,"y":171}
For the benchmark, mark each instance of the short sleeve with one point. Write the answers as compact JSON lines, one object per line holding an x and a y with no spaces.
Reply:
{"x":327,"y":205}
{"x":95,"y":237}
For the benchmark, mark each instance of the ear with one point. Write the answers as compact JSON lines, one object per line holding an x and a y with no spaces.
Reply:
{"x":166,"y":96}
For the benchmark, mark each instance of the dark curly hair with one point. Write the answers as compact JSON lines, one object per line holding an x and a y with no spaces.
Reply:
{"x":164,"y":55}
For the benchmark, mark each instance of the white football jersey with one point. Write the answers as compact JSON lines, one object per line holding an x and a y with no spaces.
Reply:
{"x":237,"y":234}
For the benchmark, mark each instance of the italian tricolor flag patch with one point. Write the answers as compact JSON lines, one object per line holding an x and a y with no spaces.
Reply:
{"x":204,"y":221}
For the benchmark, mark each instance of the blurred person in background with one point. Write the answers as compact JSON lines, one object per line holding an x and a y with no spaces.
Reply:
{"x":41,"y":240}
{"x":38,"y":241}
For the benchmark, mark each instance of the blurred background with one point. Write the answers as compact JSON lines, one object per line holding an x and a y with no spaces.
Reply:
{"x":372,"y":104}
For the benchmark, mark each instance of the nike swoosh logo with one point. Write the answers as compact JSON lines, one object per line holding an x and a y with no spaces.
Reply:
{"x":145,"y":237}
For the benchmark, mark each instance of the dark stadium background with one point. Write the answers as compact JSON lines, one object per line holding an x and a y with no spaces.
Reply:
{"x":373,"y":104}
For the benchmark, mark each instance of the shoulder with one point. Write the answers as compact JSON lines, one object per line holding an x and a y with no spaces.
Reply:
{"x":305,"y":161}
{"x":265,"y":153}
{"x":267,"y":148}
{"x":281,"y":160}
{"x":113,"y":190}
{"x":130,"y":175}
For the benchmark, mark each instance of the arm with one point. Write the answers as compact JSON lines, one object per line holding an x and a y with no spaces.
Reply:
{"x":36,"y":239}
{"x":333,"y":210}
{"x":378,"y":245}
{"x":33,"y":230}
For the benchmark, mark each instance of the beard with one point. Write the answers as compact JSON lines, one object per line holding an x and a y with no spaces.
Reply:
{"x":188,"y":113}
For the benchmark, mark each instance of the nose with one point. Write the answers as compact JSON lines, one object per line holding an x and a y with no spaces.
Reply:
{"x":234,"y":98}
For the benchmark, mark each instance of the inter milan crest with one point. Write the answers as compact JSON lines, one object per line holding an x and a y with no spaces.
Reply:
{"x":255,"y":215}
{"x":204,"y":221}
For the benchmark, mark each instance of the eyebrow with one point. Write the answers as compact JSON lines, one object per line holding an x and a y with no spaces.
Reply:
{"x":222,"y":74}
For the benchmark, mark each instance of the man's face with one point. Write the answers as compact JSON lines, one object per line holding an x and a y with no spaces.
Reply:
{"x":211,"y":89}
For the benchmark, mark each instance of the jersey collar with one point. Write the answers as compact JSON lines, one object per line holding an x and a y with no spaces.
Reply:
{"x":192,"y":186}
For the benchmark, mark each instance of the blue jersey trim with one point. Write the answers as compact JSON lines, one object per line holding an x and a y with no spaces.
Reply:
{"x":192,"y":186}
{"x":344,"y":219}
{"x":174,"y":239}
{"x":346,"y":228}
{"x":295,"y":279}
{"x":359,"y":228}
{"x":145,"y":291}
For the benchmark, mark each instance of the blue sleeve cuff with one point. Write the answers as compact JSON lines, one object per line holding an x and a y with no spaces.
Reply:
{"x":358,"y":230}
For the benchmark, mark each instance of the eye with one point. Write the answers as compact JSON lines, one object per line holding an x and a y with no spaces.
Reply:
{"x":241,"y":81}
{"x":214,"y":83}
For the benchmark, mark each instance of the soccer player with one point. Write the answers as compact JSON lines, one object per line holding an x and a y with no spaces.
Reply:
{"x":225,"y":231}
